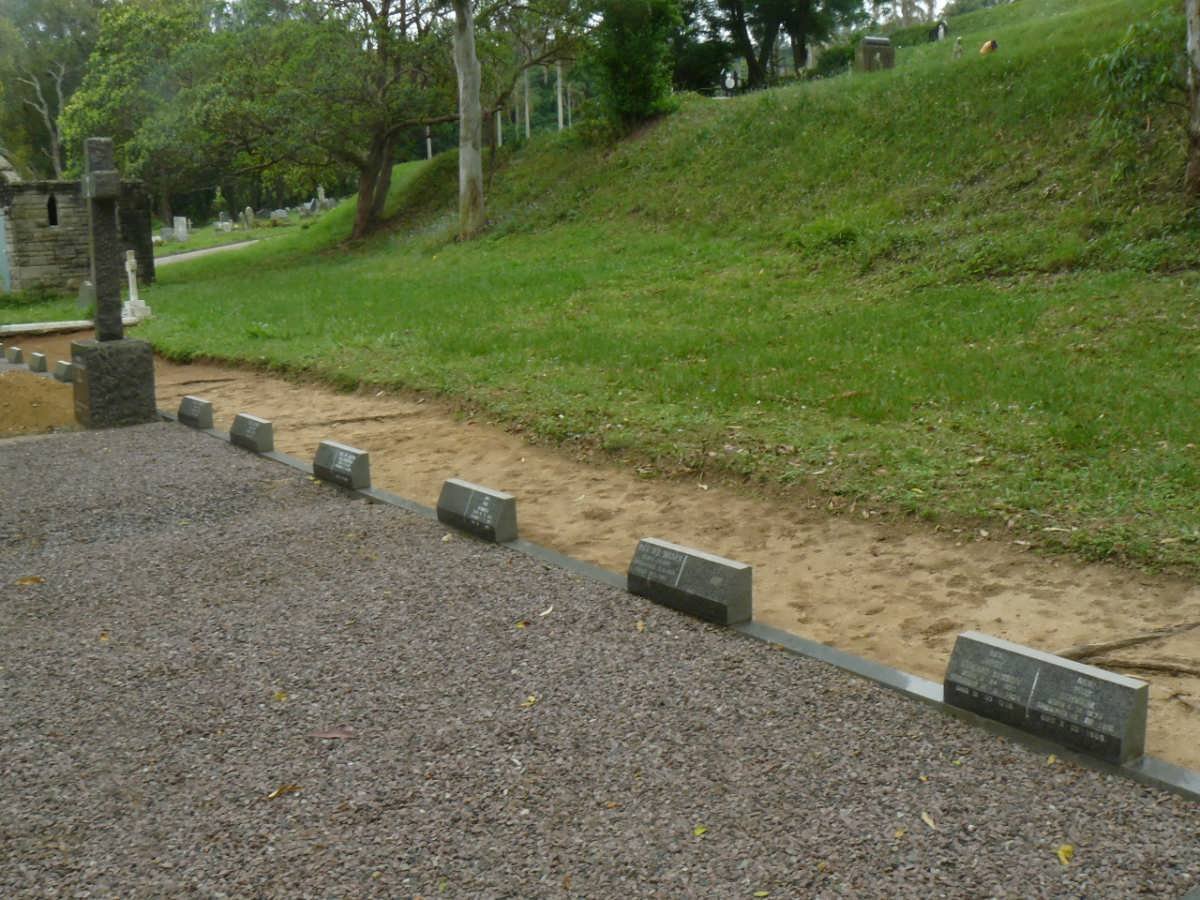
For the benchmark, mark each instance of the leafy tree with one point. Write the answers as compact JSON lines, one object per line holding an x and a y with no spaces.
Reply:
{"x":756,"y":25}
{"x":698,"y":47}
{"x":1146,"y":74}
{"x":44,"y":45}
{"x":632,"y":52}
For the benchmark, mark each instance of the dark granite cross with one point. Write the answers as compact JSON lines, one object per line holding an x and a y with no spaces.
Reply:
{"x":101,"y":187}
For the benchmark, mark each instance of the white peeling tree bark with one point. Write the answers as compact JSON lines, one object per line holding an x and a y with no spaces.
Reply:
{"x":470,"y":123}
{"x":1192,"y":176}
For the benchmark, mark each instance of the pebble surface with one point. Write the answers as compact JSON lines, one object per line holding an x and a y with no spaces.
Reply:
{"x":221,"y":678}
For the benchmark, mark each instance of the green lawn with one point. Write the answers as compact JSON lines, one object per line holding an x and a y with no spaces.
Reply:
{"x":921,"y":291}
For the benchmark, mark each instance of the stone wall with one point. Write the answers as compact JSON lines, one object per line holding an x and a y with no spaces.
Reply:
{"x":55,"y":256}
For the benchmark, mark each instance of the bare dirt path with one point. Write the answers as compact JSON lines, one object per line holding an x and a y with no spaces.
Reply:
{"x":897,"y":593}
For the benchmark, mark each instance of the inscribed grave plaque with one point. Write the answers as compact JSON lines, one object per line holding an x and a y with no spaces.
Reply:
{"x":709,"y":587}
{"x":14,"y":355}
{"x":252,"y":433}
{"x":347,"y":466}
{"x":195,"y":412}
{"x":492,"y":515}
{"x":37,"y":362}
{"x":1080,"y":706}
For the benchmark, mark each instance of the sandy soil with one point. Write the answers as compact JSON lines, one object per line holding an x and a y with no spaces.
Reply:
{"x":897,"y":593}
{"x":31,"y":404}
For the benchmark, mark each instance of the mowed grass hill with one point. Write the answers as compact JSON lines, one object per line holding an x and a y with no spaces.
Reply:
{"x":927,"y":291}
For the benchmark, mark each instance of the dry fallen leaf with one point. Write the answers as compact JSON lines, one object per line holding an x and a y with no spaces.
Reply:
{"x":699,"y":830}
{"x":341,"y":733}
{"x":529,"y":701}
{"x":928,"y":820}
{"x":283,"y":789}
{"x":1051,"y":759}
{"x":280,"y":696}
{"x":104,"y":635}
{"x":546,"y":611}
{"x":762,"y":893}
{"x":900,"y":832}
{"x":524,"y":623}
{"x":922,"y":778}
{"x":30,"y":580}
{"x":447,"y":538}
{"x":640,"y":625}
{"x":1065,"y":853}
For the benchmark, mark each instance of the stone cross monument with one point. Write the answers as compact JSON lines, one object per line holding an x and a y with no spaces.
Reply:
{"x":114,"y":376}
{"x":134,"y":308}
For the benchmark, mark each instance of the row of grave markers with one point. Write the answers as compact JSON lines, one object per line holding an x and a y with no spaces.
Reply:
{"x":1088,"y":709}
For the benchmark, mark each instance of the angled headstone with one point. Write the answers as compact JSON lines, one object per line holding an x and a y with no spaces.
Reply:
{"x":37,"y":362}
{"x":347,"y":466}
{"x":252,"y":433}
{"x":14,"y":355}
{"x":489,"y":514}
{"x":195,"y":412}
{"x":1080,"y":706}
{"x":700,"y":584}
{"x":64,"y":371}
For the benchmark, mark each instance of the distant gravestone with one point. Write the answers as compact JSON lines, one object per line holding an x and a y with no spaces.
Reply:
{"x":181,"y":228}
{"x":114,"y":377}
{"x":37,"y":362}
{"x":87,"y":295}
{"x":489,"y":514}
{"x":700,"y":584}
{"x":166,"y":234}
{"x":340,"y":464}
{"x":134,"y":308}
{"x":14,"y":355}
{"x":195,"y":412}
{"x":64,"y":371}
{"x":321,"y":195}
{"x":248,"y":217}
{"x":252,"y":433}
{"x":875,"y":53}
{"x":279,"y":217}
{"x":1080,"y":706}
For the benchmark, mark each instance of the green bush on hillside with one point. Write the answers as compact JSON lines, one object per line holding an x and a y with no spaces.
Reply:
{"x":633,"y":56}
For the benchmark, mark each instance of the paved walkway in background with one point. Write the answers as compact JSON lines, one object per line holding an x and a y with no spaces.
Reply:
{"x":220,"y":677}
{"x":160,"y":261}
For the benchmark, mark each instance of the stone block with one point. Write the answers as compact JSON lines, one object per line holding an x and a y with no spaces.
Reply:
{"x":14,"y":355}
{"x":252,"y":433}
{"x":700,"y":584}
{"x":64,"y":371}
{"x":489,"y":514}
{"x":37,"y":362}
{"x":343,"y":465}
{"x":114,"y":383}
{"x":1079,"y":706}
{"x":195,"y":412}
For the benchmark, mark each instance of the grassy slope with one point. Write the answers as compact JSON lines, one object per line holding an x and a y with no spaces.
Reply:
{"x":920,"y":289}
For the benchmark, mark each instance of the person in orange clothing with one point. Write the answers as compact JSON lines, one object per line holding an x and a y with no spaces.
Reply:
{"x":988,"y":47}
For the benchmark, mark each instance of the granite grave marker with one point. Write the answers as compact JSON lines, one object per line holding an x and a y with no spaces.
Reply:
{"x":195,"y":412}
{"x":340,"y":464}
{"x":252,"y":433}
{"x":1082,"y":707}
{"x":14,"y":355}
{"x":37,"y":362}
{"x":700,"y":584}
{"x":64,"y":371}
{"x":489,"y":514}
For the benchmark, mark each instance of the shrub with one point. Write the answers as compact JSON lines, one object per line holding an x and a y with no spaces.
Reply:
{"x":632,"y":55}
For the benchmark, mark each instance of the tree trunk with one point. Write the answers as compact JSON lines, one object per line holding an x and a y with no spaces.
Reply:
{"x":799,"y":50}
{"x":470,"y":123}
{"x":1191,"y":181}
{"x":370,"y":179}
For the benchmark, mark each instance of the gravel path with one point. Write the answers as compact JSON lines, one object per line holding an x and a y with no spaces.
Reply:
{"x":203,"y":613}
